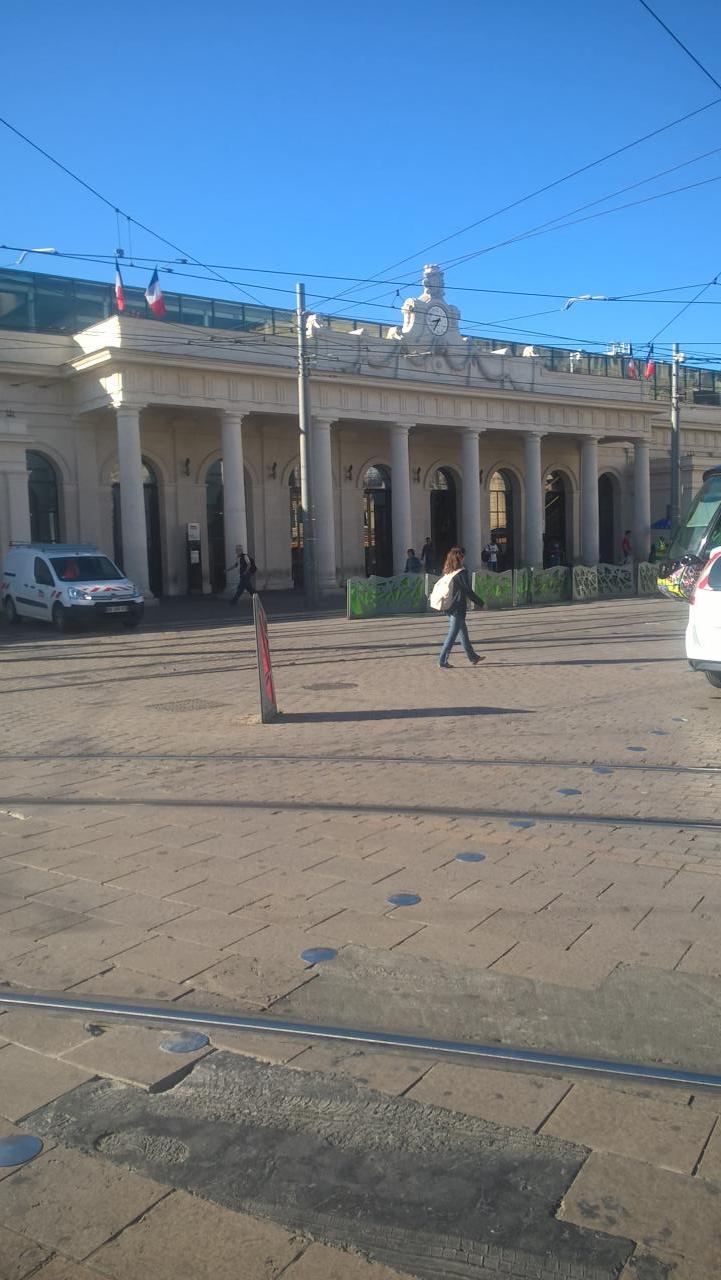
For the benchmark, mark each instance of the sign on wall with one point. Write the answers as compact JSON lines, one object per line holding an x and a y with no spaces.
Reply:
{"x":268,"y":705}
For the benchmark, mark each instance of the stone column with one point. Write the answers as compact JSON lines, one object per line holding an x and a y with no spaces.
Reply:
{"x":400,"y":496}
{"x":534,"y":515}
{"x":589,"y":500}
{"x":471,"y":528}
{"x":323,"y":513}
{"x":235,"y":526}
{"x":132,"y":498}
{"x":641,"y":500}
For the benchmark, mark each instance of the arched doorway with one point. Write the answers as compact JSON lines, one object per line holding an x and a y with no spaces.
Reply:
{"x":554,"y":533}
{"x":215,"y":522}
{"x":606,"y":519}
{"x":296,"y":529}
{"x":152,"y":526}
{"x":43,"y":497}
{"x":444,"y":525}
{"x":377,"y":527}
{"x":500,"y":492}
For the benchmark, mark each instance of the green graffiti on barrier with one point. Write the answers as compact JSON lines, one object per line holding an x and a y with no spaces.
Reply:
{"x":372,"y":597}
{"x":615,"y":579}
{"x":495,"y":589}
{"x":585,"y":582}
{"x":647,"y":583}
{"x":551,"y":585}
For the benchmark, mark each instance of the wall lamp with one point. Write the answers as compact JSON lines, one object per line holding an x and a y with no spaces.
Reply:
{"x":348,"y":472}
{"x":416,"y":475}
{"x":186,"y":467}
{"x":273,"y":470}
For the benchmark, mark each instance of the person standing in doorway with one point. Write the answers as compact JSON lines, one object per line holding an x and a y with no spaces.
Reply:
{"x":462,"y":592}
{"x":413,"y":564}
{"x":427,"y":556}
{"x":246,"y":568}
{"x":626,"y":549}
{"x":493,"y":555}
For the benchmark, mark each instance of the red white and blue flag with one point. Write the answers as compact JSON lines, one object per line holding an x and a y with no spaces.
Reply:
{"x":119,"y":293}
{"x":154,"y":295}
{"x":631,"y":367}
{"x":650,"y":364}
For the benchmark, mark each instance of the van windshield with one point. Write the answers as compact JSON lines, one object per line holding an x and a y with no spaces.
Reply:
{"x":85,"y":569}
{"x":701,"y":527}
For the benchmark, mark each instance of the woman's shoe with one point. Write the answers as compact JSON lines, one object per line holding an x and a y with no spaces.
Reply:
{"x":445,"y":666}
{"x":477,"y":657}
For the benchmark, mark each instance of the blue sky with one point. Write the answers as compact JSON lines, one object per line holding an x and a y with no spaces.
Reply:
{"x":340,"y":138}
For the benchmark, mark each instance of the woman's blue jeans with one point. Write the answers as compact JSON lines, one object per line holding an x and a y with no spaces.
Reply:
{"x":456,"y":628}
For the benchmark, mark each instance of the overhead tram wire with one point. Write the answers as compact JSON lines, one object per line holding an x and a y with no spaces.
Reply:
{"x":531,"y":195}
{"x":705,"y":71}
{"x":116,"y":208}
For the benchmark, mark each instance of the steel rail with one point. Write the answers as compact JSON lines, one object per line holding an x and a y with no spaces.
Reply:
{"x":384,"y":1039}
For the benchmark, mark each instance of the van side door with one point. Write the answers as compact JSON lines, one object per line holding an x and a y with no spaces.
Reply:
{"x":42,"y":589}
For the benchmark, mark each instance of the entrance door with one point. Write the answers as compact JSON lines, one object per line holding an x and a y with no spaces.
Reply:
{"x":444,"y":527}
{"x":501,"y":500}
{"x":377,"y":522}
{"x":554,"y":538}
{"x":606,"y":520}
{"x":152,"y":528}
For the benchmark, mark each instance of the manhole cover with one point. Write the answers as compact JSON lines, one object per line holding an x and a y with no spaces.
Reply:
{"x":185,"y":704}
{"x":335,"y":685}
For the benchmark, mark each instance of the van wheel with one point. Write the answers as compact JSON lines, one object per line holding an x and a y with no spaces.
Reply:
{"x":714,"y":678}
{"x":11,"y":614}
{"x":60,"y":621}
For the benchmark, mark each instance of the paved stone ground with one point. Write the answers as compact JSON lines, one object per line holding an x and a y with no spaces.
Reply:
{"x":157,"y":842}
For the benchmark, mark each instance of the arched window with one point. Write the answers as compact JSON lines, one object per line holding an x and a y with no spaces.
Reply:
{"x":555,"y":529}
{"x":43,"y":495}
{"x":377,"y":526}
{"x":377,"y":478}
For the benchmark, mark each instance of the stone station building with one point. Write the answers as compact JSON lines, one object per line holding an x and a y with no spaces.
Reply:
{"x":123,"y":430}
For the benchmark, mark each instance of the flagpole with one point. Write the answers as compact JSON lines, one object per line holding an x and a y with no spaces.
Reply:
{"x":675,"y":507}
{"x":306,"y":483}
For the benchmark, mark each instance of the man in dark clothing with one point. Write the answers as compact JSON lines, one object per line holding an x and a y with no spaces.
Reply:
{"x":462,"y":592}
{"x":427,"y":556}
{"x":246,"y":568}
{"x":413,"y":564}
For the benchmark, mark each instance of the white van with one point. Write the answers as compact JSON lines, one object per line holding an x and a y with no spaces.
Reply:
{"x":57,"y":582}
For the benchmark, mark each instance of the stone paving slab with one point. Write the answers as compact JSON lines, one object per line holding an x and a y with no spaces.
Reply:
{"x":19,"y":1257}
{"x":318,"y":1262}
{"x":661,"y":1210}
{"x":29,"y":1079}
{"x":185,"y":1236}
{"x":133,"y":1055}
{"x":652,"y":1130}
{"x":72,"y":1203}
{"x":46,"y":1033}
{"x":521,"y":1098}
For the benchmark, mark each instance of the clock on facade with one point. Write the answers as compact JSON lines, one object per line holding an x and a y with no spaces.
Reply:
{"x":437,"y":320}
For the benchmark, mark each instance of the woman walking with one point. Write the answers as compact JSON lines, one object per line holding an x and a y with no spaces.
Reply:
{"x":462,"y":592}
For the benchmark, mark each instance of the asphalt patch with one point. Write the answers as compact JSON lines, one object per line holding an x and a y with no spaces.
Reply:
{"x":434,"y":1193}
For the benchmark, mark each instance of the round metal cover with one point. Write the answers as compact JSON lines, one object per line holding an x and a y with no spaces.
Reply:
{"x":568,"y":791}
{"x":635,"y":748}
{"x":316,"y":955}
{"x":188,"y":1042}
{"x":680,"y":719}
{"x":470,"y":857}
{"x":403,"y":899}
{"x":602,"y":768}
{"x":19,"y":1150}
{"x":660,"y":733}
{"x":522,"y":822}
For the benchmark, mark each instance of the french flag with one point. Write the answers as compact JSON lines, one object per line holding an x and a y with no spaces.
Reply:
{"x":119,"y":292}
{"x":154,"y":295}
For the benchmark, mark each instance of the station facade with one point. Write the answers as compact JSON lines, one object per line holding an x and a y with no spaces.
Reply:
{"x":124,"y":431}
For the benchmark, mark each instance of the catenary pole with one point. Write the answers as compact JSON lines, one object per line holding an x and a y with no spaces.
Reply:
{"x":675,"y":510}
{"x":306,"y":480}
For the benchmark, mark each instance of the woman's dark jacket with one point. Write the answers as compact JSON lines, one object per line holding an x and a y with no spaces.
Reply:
{"x":462,"y":593}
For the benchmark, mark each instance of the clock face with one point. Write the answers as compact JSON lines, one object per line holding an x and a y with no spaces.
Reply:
{"x":437,"y":321}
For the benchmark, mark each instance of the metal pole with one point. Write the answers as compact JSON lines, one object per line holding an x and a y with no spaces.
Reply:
{"x":675,"y":511}
{"x":310,"y":586}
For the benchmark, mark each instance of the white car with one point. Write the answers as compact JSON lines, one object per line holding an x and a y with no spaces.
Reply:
{"x":703,"y":633}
